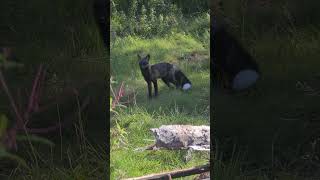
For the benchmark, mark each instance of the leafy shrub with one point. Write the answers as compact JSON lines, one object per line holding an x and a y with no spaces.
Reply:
{"x":156,"y":18}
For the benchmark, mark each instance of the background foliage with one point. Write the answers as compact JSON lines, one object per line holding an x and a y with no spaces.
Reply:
{"x":170,"y":31}
{"x":62,"y":36}
{"x":159,"y":17}
{"x":274,"y":126}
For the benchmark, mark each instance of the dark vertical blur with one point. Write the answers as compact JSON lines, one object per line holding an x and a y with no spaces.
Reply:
{"x":101,"y":12}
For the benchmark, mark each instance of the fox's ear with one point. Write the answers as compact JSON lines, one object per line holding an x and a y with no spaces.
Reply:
{"x":139,"y":57}
{"x":148,"y":57}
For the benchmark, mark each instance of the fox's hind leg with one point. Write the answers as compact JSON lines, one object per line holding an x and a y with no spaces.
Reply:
{"x":177,"y":84}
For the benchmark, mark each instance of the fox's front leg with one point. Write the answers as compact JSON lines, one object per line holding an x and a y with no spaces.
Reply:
{"x":149,"y":89}
{"x":155,"y":84}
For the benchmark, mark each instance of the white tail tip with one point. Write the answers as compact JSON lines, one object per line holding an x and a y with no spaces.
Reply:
{"x":244,"y":79}
{"x":186,"y":86}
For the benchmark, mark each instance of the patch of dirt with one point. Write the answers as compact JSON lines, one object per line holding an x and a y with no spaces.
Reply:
{"x":195,"y":57}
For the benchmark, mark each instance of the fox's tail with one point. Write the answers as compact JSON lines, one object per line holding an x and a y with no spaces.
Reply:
{"x":182,"y":80}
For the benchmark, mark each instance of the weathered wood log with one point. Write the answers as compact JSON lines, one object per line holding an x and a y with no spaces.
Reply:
{"x":203,"y":176}
{"x":175,"y":174}
{"x":182,"y":137}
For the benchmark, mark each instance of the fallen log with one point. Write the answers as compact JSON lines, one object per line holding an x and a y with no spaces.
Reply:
{"x":182,"y":137}
{"x":175,"y":174}
{"x":179,"y":137}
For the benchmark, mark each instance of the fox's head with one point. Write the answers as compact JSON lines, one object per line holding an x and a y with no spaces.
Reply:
{"x":143,"y":62}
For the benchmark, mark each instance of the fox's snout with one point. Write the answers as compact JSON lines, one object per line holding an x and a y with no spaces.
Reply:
{"x":143,"y":63}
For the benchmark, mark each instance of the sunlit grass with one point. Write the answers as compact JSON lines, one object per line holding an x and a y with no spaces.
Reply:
{"x":130,"y":129}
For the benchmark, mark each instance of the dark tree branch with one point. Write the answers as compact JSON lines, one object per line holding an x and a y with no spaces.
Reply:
{"x":34,"y":92}
{"x":175,"y":174}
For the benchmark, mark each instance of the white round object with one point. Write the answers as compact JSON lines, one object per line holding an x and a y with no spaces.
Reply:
{"x":245,"y":79}
{"x":186,"y":86}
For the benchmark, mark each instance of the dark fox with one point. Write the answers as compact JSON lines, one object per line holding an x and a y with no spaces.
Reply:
{"x":169,"y":73}
{"x":230,"y":60}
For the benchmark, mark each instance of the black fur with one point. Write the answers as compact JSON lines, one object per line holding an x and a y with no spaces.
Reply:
{"x":181,"y":79}
{"x":229,"y":57}
{"x":169,"y":73}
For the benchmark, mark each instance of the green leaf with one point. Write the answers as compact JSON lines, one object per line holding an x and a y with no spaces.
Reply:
{"x":110,"y":103}
{"x":6,"y":154}
{"x":111,"y":110}
{"x":1,"y":58}
{"x":2,"y":151}
{"x":35,"y":139}
{"x":3,"y":124}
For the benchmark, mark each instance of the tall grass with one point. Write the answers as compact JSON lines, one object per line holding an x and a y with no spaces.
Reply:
{"x":136,"y":122}
{"x":271,"y":125}
{"x":169,"y":49}
{"x":63,"y":36}
{"x":185,"y":43}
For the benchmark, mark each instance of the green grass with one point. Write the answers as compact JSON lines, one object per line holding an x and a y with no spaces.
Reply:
{"x":259,"y":120}
{"x":130,"y":128}
{"x":69,"y":164}
{"x":74,"y":52}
